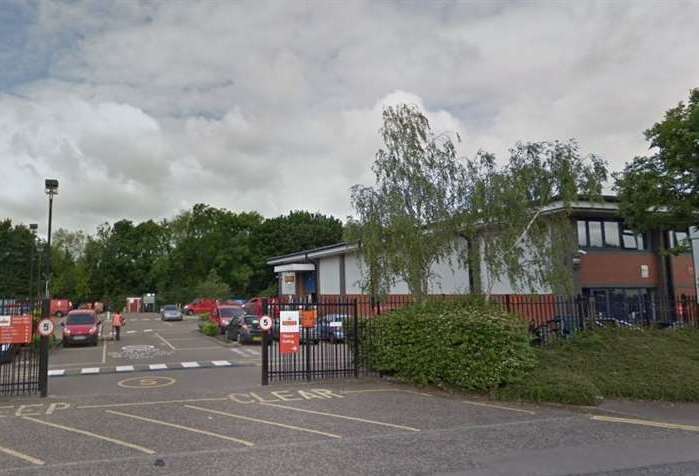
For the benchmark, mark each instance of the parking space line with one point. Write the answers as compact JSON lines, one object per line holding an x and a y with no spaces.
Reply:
{"x":90,"y":370}
{"x":344,"y":417}
{"x":157,"y":366}
{"x":125,"y":368}
{"x":221,"y":363}
{"x":655,"y":424}
{"x":104,"y":352}
{"x":253,"y":352}
{"x":239,"y":352}
{"x":93,"y":435}
{"x":180,"y":427}
{"x":266,"y":422}
{"x":189,"y":365}
{"x":154,"y":402}
{"x":56,"y":373}
{"x":147,"y":330}
{"x":17,"y":454}
{"x":165,"y":341}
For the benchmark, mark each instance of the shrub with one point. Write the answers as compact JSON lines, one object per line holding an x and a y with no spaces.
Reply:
{"x":204,"y":316}
{"x":468,"y":344}
{"x":208,"y":328}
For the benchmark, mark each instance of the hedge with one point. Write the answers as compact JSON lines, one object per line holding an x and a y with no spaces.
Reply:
{"x":467,"y":344}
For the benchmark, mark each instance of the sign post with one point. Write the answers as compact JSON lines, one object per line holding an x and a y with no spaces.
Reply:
{"x":289,"y":337}
{"x":265,"y":325}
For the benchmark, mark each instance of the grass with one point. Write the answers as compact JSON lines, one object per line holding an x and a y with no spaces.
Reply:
{"x":613,"y":363}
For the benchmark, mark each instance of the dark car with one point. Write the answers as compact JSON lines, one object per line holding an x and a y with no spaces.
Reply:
{"x":332,"y":327}
{"x":246,"y":330}
{"x":81,"y":327}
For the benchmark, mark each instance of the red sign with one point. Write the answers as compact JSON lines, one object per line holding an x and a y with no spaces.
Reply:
{"x":15,"y":329}
{"x":289,"y":332}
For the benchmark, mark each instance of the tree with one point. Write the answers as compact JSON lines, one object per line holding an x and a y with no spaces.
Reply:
{"x":213,"y":287}
{"x":668,"y":179}
{"x":425,"y":200}
{"x":408,"y":219}
{"x":17,"y":247}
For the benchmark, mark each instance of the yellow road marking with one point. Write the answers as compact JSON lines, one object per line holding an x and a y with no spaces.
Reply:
{"x":93,"y":435}
{"x":166,"y":342}
{"x":19,"y":455}
{"x":157,"y":402}
{"x":180,"y":427}
{"x":345,"y":417}
{"x":655,"y":424}
{"x":499,"y":407}
{"x":257,"y":420}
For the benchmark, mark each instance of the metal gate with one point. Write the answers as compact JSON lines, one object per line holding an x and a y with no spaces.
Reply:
{"x":328,"y":342}
{"x":21,"y":366}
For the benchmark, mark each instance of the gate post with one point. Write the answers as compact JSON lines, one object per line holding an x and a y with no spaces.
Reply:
{"x":355,"y":332}
{"x":265,"y":357}
{"x":44,"y":354}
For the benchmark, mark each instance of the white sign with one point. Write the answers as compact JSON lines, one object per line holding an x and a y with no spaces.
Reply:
{"x":265,"y":323}
{"x":289,"y":322}
{"x":5,"y":321}
{"x":288,"y":283}
{"x":45,"y":327}
{"x":644,"y":271}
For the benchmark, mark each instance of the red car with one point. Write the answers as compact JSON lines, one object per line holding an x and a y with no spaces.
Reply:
{"x":81,"y":327}
{"x":60,"y":307}
{"x":200,"y":306}
{"x":224,"y":314}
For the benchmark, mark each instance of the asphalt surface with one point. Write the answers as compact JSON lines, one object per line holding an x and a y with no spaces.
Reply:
{"x":221,"y":421}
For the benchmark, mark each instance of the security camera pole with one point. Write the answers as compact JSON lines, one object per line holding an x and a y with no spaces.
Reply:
{"x":51,"y":189}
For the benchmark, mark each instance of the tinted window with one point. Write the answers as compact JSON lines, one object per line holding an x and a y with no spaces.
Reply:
{"x":582,"y":233}
{"x":595,"y":229}
{"x":230,"y":312}
{"x":251,"y":320}
{"x":611,"y":233}
{"x":80,"y":319}
{"x":170,"y":308}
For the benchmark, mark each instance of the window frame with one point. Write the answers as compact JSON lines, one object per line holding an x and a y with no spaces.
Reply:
{"x":621,"y":229}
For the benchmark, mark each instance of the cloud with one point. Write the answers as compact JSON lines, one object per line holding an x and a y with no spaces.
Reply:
{"x":142,"y":110}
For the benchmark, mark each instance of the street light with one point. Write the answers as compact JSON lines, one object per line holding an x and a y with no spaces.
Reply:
{"x":32,"y":227}
{"x":51,"y":189}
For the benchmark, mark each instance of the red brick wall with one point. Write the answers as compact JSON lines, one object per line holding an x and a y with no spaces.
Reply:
{"x":683,"y":275}
{"x":618,"y":269}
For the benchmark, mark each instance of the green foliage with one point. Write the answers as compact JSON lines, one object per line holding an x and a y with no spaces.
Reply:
{"x":17,"y":248}
{"x":667,"y":180}
{"x":614,"y":363}
{"x":209,"y":329}
{"x":467,"y":344}
{"x":204,"y":316}
{"x":212,"y":287}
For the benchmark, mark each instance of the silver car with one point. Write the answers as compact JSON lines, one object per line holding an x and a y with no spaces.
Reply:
{"x":170,"y":313}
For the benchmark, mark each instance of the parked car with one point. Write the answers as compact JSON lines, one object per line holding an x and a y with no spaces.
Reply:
{"x":60,"y":307}
{"x":170,"y":312}
{"x":7,"y":351}
{"x":245,"y":329}
{"x":200,"y":306}
{"x":224,"y":314}
{"x":331,"y":327}
{"x":81,"y":327}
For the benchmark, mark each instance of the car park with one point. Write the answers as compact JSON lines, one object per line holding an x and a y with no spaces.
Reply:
{"x":245,"y":329}
{"x":223,"y":314}
{"x":170,"y":312}
{"x":81,"y":327}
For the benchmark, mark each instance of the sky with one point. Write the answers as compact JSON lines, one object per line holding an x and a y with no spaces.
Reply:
{"x":141,"y":110}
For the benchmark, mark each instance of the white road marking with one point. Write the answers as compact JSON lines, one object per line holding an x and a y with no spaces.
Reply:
{"x":239,"y":352}
{"x":344,"y":417}
{"x":90,"y":370}
{"x":253,"y":351}
{"x":157,"y":366}
{"x":221,"y":363}
{"x":189,"y":365}
{"x":266,"y":422}
{"x":165,"y":341}
{"x":104,"y":352}
{"x":180,"y":427}
{"x":93,"y":435}
{"x":54,"y":373}
{"x":157,"y":402}
{"x":147,"y":330}
{"x":655,"y":424}
{"x":125,"y":368}
{"x":19,"y":455}
{"x":130,"y":332}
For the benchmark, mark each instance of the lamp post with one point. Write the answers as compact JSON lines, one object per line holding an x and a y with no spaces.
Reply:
{"x":32,"y":227}
{"x":51,"y":189}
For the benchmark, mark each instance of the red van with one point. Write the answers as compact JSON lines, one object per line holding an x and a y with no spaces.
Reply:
{"x":60,"y":307}
{"x":81,"y":327}
{"x":224,"y":314}
{"x":200,"y":306}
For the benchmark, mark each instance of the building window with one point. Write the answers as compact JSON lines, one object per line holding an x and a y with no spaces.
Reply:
{"x":679,"y":239}
{"x":609,"y":234}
